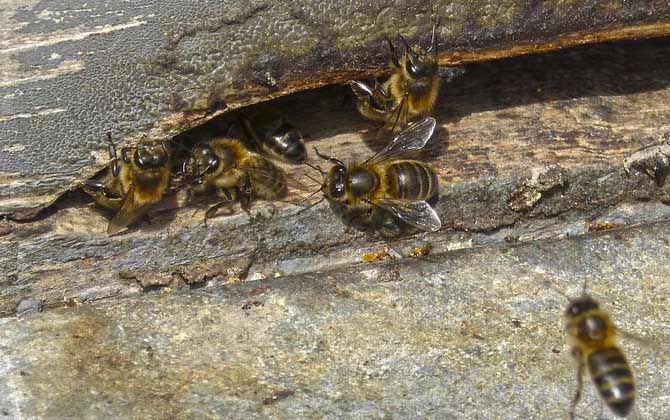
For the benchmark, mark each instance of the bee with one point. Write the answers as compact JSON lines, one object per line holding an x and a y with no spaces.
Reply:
{"x":271,"y":133}
{"x":235,"y":172}
{"x":388,"y":183}
{"x":135,"y":181}
{"x":594,"y":346}
{"x":409,"y":92}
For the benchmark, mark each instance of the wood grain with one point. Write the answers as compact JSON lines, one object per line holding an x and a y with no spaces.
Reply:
{"x":505,"y":128}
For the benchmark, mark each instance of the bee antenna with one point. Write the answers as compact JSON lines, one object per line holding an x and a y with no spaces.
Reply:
{"x":310,"y":195}
{"x":311,"y":205}
{"x":394,"y":54}
{"x":179,"y":145}
{"x":432,"y":38}
{"x":584,"y":287}
{"x":316,"y":168}
{"x":313,"y":179}
{"x":328,"y":158}
{"x":550,"y":284}
{"x":404,"y":42}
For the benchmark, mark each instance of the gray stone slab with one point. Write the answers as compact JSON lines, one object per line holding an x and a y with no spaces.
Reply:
{"x":470,"y":334}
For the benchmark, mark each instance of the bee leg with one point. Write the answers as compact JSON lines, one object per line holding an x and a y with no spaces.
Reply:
{"x":212,"y":210}
{"x":580,"y":384}
{"x":97,"y":187}
{"x":103,"y":194}
{"x":228,"y":196}
{"x":400,"y":112}
{"x":245,"y":194}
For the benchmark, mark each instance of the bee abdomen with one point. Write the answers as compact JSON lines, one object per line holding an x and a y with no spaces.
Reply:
{"x":612,"y":376}
{"x":412,"y":180}
{"x":269,"y":182}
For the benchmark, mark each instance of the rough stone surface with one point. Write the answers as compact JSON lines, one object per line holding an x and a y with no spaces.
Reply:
{"x":472,"y":334}
{"x":551,"y":171}
{"x":76,"y":69}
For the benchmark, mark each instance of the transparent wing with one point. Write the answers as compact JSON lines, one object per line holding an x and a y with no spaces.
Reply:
{"x":129,"y":213}
{"x":411,"y":139}
{"x":416,"y":213}
{"x":268,"y":181}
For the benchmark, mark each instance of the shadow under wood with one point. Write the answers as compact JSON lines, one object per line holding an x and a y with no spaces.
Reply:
{"x":616,"y":68}
{"x":588,"y":71}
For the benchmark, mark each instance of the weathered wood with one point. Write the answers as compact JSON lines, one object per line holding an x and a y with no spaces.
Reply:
{"x":75,"y":70}
{"x":528,"y":148}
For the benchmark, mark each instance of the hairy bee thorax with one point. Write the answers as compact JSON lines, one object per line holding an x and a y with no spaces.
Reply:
{"x":593,"y":328}
{"x":588,"y":325}
{"x":362,"y":181}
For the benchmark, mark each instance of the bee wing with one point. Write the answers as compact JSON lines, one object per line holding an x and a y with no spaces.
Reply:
{"x":128,"y":214}
{"x":416,"y":213}
{"x":644,"y":342}
{"x":269,"y":181}
{"x":411,"y":139}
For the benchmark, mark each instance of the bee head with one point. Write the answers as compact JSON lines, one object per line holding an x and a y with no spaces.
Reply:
{"x":206,"y":160}
{"x":416,"y":63}
{"x":334,"y":186}
{"x":150,"y":156}
{"x":418,"y":66}
{"x":580,"y":305}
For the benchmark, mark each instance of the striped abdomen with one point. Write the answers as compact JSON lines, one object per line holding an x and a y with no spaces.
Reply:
{"x":411,"y":180}
{"x":613,"y":378}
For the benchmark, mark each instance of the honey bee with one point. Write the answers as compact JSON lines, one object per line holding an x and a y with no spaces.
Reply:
{"x":594,"y":345}
{"x":235,"y":172}
{"x":271,"y":133}
{"x":135,"y":181}
{"x":387,"y":182}
{"x":409,"y":92}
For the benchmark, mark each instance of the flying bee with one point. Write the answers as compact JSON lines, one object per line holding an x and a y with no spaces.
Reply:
{"x":594,"y":345}
{"x":235,"y":172}
{"x":135,"y":181}
{"x":270,"y":132}
{"x":409,"y":92}
{"x":387,"y":182}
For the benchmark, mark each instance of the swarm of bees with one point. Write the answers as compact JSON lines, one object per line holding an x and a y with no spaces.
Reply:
{"x":389,"y":186}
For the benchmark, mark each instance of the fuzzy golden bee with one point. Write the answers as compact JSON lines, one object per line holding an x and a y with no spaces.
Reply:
{"x":594,"y":346}
{"x":271,"y":133}
{"x":234,"y":172}
{"x":135,"y":181}
{"x":387,"y":183}
{"x":410,"y":92}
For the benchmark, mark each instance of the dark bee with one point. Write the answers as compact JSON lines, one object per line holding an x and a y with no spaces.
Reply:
{"x":594,"y":345}
{"x":234,"y":172}
{"x":271,"y":133}
{"x":136,"y":180}
{"x":387,"y":182}
{"x":409,"y":93}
